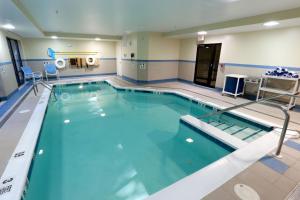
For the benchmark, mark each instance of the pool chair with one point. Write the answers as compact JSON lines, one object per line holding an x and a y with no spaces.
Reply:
{"x":29,"y":74}
{"x":50,"y":70}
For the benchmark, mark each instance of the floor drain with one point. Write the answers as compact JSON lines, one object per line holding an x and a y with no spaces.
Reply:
{"x":244,"y":192}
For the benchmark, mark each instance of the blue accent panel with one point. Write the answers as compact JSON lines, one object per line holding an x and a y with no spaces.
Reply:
{"x":12,"y":99}
{"x":293,"y":145}
{"x":259,"y":66}
{"x":274,"y":164}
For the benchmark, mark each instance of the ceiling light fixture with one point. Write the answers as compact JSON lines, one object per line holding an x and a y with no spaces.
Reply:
{"x":97,"y":39}
{"x":54,"y":37}
{"x":271,"y":23}
{"x":202,"y":33}
{"x":8,"y":26}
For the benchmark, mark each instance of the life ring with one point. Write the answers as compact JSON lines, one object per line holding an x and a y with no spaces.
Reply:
{"x":90,"y":60}
{"x":60,"y":63}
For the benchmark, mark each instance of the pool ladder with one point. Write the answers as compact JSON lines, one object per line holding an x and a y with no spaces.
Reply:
{"x":265,"y":101}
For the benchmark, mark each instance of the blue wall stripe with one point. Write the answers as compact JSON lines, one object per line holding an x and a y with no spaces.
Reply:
{"x":148,"y":61}
{"x":187,"y":61}
{"x":147,"y":82}
{"x":259,"y":66}
{"x":5,"y":63}
{"x":38,"y":59}
{"x":49,"y":59}
{"x":180,"y":61}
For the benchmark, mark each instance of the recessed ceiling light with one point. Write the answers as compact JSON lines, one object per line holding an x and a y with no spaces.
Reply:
{"x":8,"y":26}
{"x":80,"y":86}
{"x":102,"y":114}
{"x":202,"y":33}
{"x":54,"y":37}
{"x":97,"y":39}
{"x":67,"y":121}
{"x":271,"y":23}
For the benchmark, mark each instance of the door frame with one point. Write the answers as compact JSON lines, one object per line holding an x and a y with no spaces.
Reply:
{"x":212,"y":62}
{"x":14,"y":61}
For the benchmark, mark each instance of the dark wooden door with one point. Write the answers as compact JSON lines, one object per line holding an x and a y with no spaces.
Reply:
{"x":16,"y":59}
{"x":207,"y":62}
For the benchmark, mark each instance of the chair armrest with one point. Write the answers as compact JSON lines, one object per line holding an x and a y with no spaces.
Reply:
{"x":38,"y":73}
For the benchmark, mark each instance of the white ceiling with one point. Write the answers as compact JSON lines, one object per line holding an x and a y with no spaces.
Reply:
{"x":10,"y":14}
{"x":247,"y":28}
{"x":117,"y":17}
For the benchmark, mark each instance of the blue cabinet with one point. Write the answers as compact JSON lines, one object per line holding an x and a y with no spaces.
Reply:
{"x":234,"y":84}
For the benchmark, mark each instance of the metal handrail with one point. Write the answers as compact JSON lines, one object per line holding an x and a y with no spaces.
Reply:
{"x":265,"y":102}
{"x":45,"y":85}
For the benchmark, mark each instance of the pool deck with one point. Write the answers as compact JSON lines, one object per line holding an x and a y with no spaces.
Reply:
{"x":272,"y":178}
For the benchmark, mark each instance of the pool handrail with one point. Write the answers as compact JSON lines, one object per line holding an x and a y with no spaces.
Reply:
{"x":265,"y":101}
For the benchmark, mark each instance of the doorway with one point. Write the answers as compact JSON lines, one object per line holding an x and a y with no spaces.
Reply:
{"x":207,"y":62}
{"x":16,"y":59}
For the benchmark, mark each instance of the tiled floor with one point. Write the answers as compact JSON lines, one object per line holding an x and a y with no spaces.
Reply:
{"x":269,"y":183}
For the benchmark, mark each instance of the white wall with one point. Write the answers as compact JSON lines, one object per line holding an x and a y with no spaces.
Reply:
{"x":159,"y":55}
{"x":119,"y":58}
{"x":37,"y":49}
{"x":279,"y":47}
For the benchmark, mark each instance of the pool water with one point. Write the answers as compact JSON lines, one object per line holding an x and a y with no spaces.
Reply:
{"x":98,"y":143}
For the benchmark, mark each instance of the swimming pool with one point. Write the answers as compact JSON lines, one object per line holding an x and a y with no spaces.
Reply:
{"x":98,"y":142}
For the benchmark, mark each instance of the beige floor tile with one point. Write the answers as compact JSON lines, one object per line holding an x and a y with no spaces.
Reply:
{"x":291,"y":152}
{"x":220,"y":194}
{"x":287,"y":159}
{"x":297,"y":165}
{"x":264,"y":188}
{"x":285,"y":184}
{"x":293,"y":173}
{"x":263,"y":171}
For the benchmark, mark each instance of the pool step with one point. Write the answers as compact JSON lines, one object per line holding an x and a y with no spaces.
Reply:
{"x":244,"y":133}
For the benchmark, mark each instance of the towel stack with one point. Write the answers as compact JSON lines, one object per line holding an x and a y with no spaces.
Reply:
{"x":282,"y":72}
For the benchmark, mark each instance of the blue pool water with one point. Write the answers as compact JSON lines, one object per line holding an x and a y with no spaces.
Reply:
{"x":98,"y":143}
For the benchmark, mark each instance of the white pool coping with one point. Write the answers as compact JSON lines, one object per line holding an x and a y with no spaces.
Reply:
{"x":15,"y":173}
{"x":193,"y":187}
